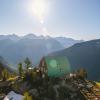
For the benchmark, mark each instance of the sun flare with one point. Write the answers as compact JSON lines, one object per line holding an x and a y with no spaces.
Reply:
{"x":39,"y":9}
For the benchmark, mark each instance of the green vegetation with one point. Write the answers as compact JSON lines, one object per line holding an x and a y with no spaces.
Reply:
{"x":82,"y":73}
{"x":5,"y":74}
{"x":27,"y":96}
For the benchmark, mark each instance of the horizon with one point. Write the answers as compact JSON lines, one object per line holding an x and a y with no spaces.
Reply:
{"x":78,"y":19}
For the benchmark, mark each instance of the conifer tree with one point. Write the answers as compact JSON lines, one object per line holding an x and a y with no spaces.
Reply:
{"x":20,"y":69}
{"x":27,"y":63}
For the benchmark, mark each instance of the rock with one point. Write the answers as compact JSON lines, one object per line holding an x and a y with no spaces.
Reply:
{"x":34,"y":92}
{"x":13,"y":96}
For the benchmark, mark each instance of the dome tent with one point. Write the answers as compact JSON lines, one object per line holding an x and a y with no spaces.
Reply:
{"x":55,"y":66}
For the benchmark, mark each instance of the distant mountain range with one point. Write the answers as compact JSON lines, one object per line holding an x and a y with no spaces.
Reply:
{"x":16,"y":48}
{"x":84,"y":55}
{"x":68,"y":42}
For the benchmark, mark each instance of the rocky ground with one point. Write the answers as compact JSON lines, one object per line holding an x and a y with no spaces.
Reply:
{"x":46,"y":89}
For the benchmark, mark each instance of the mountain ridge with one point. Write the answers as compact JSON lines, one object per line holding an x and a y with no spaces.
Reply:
{"x":84,"y":55}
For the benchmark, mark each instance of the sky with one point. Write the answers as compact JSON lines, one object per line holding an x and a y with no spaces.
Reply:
{"x":78,"y":19}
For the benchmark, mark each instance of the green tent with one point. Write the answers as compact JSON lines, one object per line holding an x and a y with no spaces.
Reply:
{"x":57,"y":66}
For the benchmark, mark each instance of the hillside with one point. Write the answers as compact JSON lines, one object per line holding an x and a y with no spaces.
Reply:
{"x":34,"y":85}
{"x":84,"y":55}
{"x":4,"y":65}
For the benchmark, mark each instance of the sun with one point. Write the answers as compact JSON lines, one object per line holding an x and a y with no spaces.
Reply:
{"x":39,"y":8}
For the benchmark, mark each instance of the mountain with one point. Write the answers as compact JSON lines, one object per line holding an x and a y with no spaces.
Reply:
{"x":12,"y":37}
{"x":84,"y":55}
{"x":15,"y":49}
{"x":67,"y":42}
{"x":30,"y":36}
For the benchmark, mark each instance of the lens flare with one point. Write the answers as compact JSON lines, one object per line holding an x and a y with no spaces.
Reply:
{"x":39,"y":9}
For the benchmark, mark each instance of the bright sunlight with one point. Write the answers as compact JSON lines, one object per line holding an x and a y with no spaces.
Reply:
{"x":39,"y":9}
